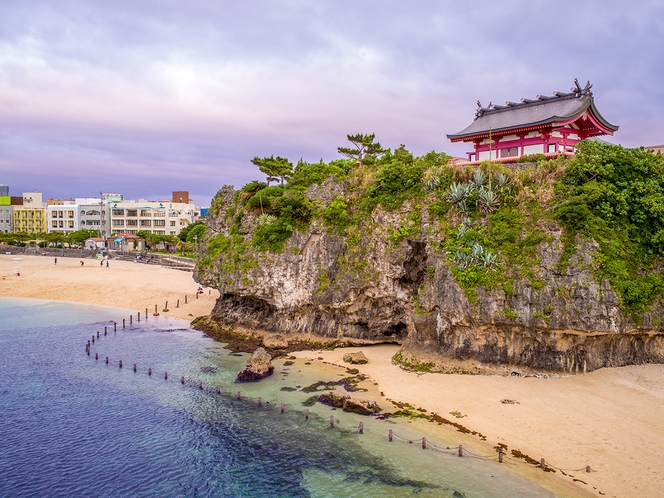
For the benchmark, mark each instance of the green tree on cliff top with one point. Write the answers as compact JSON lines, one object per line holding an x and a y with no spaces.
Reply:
{"x":276,"y":168}
{"x":364,"y":150}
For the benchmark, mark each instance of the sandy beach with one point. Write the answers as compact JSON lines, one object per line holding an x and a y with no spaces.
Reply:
{"x":610,"y":419}
{"x":123,"y":284}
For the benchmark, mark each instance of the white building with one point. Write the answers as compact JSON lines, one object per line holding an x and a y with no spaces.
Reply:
{"x":157,"y":217}
{"x":83,"y":213}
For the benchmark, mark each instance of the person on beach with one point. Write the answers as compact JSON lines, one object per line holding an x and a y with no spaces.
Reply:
{"x":56,"y":260}
{"x":106,"y":263}
{"x":101,"y":262}
{"x":82,"y":263}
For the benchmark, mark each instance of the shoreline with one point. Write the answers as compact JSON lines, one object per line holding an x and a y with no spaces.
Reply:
{"x":607,"y":419}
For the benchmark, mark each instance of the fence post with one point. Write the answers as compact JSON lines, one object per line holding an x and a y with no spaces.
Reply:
{"x":542,"y":464}
{"x":460,"y":450}
{"x":361,"y":428}
{"x":306,"y":414}
{"x":331,"y":420}
{"x":283,"y":407}
{"x":123,"y":323}
{"x":260,"y":401}
{"x":238,"y":395}
{"x":389,"y":435}
{"x":500,"y":456}
{"x":424,"y":443}
{"x":588,"y":468}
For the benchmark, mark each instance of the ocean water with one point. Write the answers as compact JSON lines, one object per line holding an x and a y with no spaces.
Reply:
{"x":71,"y":425}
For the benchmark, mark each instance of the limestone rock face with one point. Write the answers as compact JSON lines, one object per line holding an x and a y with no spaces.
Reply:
{"x":379,"y":286}
{"x":348,"y":404}
{"x":357,"y":358}
{"x":259,"y":366}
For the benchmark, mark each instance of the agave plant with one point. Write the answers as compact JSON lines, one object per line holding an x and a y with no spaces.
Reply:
{"x":432,"y":184}
{"x":466,"y":221}
{"x":489,"y":259}
{"x":480,"y":178}
{"x":476,"y":251}
{"x":265,"y":219}
{"x":502,"y":180}
{"x":488,"y":200}
{"x":461,"y":230}
{"x":457,"y":193}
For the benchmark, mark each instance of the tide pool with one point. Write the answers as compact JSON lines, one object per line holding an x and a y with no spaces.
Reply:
{"x":71,"y":425}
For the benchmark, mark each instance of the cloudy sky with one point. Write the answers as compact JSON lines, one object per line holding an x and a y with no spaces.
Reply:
{"x":146,"y":97}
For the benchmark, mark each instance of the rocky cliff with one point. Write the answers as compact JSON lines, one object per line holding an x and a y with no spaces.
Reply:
{"x":358,"y":274}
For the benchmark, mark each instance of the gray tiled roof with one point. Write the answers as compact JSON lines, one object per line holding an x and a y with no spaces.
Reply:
{"x":543,"y":110}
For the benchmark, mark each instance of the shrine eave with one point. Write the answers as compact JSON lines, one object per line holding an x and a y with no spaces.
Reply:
{"x":541,"y":114}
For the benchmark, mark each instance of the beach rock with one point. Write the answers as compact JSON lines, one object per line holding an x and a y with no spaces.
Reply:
{"x":357,"y":358}
{"x":348,"y":404}
{"x":259,"y":366}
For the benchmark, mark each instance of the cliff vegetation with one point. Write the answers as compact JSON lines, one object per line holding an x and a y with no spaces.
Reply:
{"x":552,"y":264}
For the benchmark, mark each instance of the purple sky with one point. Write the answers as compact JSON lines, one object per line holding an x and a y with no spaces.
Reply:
{"x":143,"y":98}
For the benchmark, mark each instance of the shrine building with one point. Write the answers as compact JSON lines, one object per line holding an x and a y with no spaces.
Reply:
{"x":544,"y":125}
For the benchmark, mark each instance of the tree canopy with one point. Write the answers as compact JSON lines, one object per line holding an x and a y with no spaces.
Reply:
{"x":276,"y":168}
{"x":364,"y":150}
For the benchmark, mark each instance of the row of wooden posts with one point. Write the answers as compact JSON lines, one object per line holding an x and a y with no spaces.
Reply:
{"x":390,"y":434}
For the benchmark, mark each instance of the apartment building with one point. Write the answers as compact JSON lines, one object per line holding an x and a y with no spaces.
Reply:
{"x":157,"y":217}
{"x":29,"y":217}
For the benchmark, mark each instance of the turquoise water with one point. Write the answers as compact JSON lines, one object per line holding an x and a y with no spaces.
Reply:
{"x":71,"y":425}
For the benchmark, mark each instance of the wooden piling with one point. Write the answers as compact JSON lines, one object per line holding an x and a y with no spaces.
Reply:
{"x":260,"y":401}
{"x":115,"y":327}
{"x":97,"y":334}
{"x":156,"y":313}
{"x":165,"y":307}
{"x":87,"y":351}
{"x":424,"y":443}
{"x":105,"y":330}
{"x":331,"y":420}
{"x":93,"y":339}
{"x":146,"y":314}
{"x":120,"y":363}
{"x":131,"y":318}
{"x":197,"y":295}
{"x":200,"y":384}
{"x":139,"y":317}
{"x":542,"y":464}
{"x":123,"y":323}
{"x":135,"y":368}
{"x":360,"y":428}
{"x":306,"y":414}
{"x":460,"y":450}
{"x":150,"y":372}
{"x":283,"y":407}
{"x":182,"y":379}
{"x":177,"y":305}
{"x":185,"y":299}
{"x":500,"y":456}
{"x":166,"y":375}
{"x":238,"y":395}
{"x":107,"y":360}
{"x":588,"y":469}
{"x":96,"y":356}
{"x":389,"y":435}
{"x":218,"y":389}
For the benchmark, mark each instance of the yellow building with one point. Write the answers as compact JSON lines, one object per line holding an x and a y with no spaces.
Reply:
{"x":30,"y":216}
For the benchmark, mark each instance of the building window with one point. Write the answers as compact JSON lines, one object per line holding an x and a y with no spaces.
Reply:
{"x":509,"y":152}
{"x":146,"y":223}
{"x":61,"y":214}
{"x":71,"y":224}
{"x":118,"y":212}
{"x":145,"y":213}
{"x":61,"y":224}
{"x":70,"y":214}
{"x":132,"y":223}
{"x":118,"y":223}
{"x":159,"y":223}
{"x":552,"y":148}
{"x":132,"y":212}
{"x":172,"y":223}
{"x":172,"y":232}
{"x":54,"y":224}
